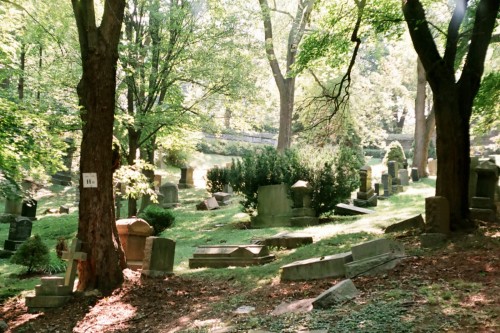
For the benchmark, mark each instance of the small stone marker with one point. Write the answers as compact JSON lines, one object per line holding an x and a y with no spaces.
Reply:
{"x":403,"y":177}
{"x":393,"y":168}
{"x":133,"y":233}
{"x":169,"y":195}
{"x":288,"y":240}
{"x":208,"y":204}
{"x":316,"y":268}
{"x":186,"y":180}
{"x":387,"y":184}
{"x":302,"y":213}
{"x":344,"y":209}
{"x":19,"y":231}
{"x":365,"y":197}
{"x":28,"y":209}
{"x":342,"y":291}
{"x":437,"y":215}
{"x":219,"y":256}
{"x":72,"y":256}
{"x":158,"y":257}
{"x":414,"y":175}
{"x":63,"y":210}
{"x":416,"y":222}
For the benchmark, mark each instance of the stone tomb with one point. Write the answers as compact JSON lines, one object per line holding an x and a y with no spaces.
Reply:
{"x":366,"y":196}
{"x":303,"y":214}
{"x":19,"y":231}
{"x":288,"y":240}
{"x":373,"y":257}
{"x":186,"y":180}
{"x":219,"y":256}
{"x":133,"y":233}
{"x":169,"y":195}
{"x":316,"y":268}
{"x":55,"y":291}
{"x":274,"y":207}
{"x":483,"y":201}
{"x":158,"y":257}
{"x":344,"y":209}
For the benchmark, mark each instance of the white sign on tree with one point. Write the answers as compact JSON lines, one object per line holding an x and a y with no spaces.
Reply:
{"x":90,"y":179}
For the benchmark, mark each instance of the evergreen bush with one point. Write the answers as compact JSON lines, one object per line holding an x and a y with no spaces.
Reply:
{"x":157,"y":217}
{"x":395,"y":152}
{"x":216,"y":179}
{"x":33,"y":253}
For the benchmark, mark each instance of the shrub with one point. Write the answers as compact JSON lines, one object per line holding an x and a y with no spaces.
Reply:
{"x":375,"y":153}
{"x":157,"y":217}
{"x":33,"y":253}
{"x":226,"y":148}
{"x":395,"y":152}
{"x":216,"y":179}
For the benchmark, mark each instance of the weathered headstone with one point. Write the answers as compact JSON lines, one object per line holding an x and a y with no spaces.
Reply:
{"x":208,"y":204}
{"x":341,"y":292}
{"x":158,"y":257}
{"x":345,"y":209}
{"x":414,"y":175}
{"x":274,"y":207}
{"x":432,"y":166}
{"x":219,"y":256}
{"x":29,"y":209}
{"x":437,"y":215}
{"x":288,"y":240}
{"x":474,"y":163}
{"x":387,"y":184}
{"x":223,"y":198}
{"x":403,"y":177}
{"x":303,"y":214}
{"x":19,"y":231}
{"x":377,"y":189}
{"x":133,"y":233}
{"x":483,"y":202}
{"x":365,"y":197}
{"x":393,"y":167}
{"x":169,"y":195}
{"x":186,"y":180}
{"x":316,"y":268}
{"x":64,"y":177}
{"x":416,"y":222}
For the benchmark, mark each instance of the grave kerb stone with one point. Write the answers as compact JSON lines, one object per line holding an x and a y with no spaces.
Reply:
{"x":316,"y":268}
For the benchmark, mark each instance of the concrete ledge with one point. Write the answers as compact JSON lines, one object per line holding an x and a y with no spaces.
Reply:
{"x":316,"y":268}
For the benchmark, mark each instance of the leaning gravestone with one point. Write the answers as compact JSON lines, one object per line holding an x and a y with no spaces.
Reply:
{"x":223,"y":198}
{"x":341,"y":292}
{"x":133,"y":233}
{"x":169,"y":195}
{"x":186,"y":180}
{"x":316,"y":268}
{"x":219,"y":256}
{"x":19,"y":231}
{"x":416,"y":223}
{"x":208,"y":204}
{"x":303,"y":214}
{"x":158,"y":257}
{"x":437,"y":215}
{"x":274,"y":207}
{"x":365,"y":197}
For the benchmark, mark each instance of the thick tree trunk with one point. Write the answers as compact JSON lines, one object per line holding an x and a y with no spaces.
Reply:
{"x":22,"y":65}
{"x":96,"y":91}
{"x":287,"y":93}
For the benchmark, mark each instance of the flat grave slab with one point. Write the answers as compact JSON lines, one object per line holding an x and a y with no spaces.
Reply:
{"x":376,"y":247}
{"x":316,"y":268}
{"x":344,"y":209}
{"x":288,"y":240}
{"x":219,"y":256}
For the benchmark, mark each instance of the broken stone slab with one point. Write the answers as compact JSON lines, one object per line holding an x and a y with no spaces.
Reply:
{"x":223,"y":198}
{"x":376,"y":247}
{"x":220,"y":256}
{"x":433,"y":240}
{"x":316,"y":268}
{"x":208,"y":204}
{"x":244,"y":309}
{"x":342,"y":291}
{"x":300,"y":306}
{"x":416,"y":222}
{"x":372,"y":265}
{"x":288,"y":240}
{"x":344,"y":209}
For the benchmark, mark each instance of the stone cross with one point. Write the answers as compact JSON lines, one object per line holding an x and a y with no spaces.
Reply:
{"x":72,"y":256}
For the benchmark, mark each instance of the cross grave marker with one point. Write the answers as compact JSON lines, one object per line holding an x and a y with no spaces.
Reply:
{"x":72,"y":256}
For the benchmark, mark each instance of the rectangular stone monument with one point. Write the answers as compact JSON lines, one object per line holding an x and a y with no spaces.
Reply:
{"x":133,"y":233}
{"x":393,"y":167}
{"x":219,"y":256}
{"x":274,"y":207}
{"x":387,"y":184}
{"x":403,"y":177}
{"x":302,"y":212}
{"x":437,"y":215}
{"x":158,"y":257}
{"x":19,"y":231}
{"x":288,"y":240}
{"x":365,"y":197}
{"x":29,"y":209}
{"x":414,"y":175}
{"x":186,"y":180}
{"x":483,"y":202}
{"x":169,"y":195}
{"x":316,"y":268}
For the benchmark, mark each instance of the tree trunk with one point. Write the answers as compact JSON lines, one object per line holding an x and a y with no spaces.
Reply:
{"x":287,"y":94}
{"x":22,"y":65}
{"x":149,"y":156}
{"x":133,"y":145}
{"x":96,"y":92}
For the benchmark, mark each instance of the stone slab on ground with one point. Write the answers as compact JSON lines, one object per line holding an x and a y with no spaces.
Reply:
{"x":316,"y":268}
{"x":345,"y":209}
{"x":208,"y":204}
{"x":342,"y":291}
{"x":416,"y":222}
{"x":41,"y":303}
{"x":220,"y":256}
{"x":376,"y":247}
{"x":372,"y":265}
{"x":288,"y":240}
{"x":300,"y":306}
{"x":433,"y":240}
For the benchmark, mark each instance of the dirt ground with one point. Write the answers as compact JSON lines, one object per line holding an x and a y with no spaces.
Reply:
{"x":179,"y":304}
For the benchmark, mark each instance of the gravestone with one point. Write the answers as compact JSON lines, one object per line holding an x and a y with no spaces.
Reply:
{"x":387,"y":184}
{"x":274,"y":207}
{"x":64,"y":177}
{"x":365,"y":197}
{"x":54,"y":291}
{"x":416,"y":222}
{"x":483,"y":202}
{"x":19,"y":231}
{"x":29,"y":209}
{"x":157,"y":182}
{"x":288,"y":240}
{"x":403,"y":177}
{"x":474,"y":163}
{"x":208,"y":204}
{"x":169,"y":195}
{"x":432,"y":166}
{"x":414,"y":175}
{"x":186,"y":180}
{"x":316,"y":268}
{"x":341,"y":292}
{"x":303,"y":214}
{"x":219,"y":256}
{"x":345,"y":209}
{"x":432,"y":240}
{"x":223,"y":198}
{"x":158,"y":257}
{"x":437,"y":215}
{"x":133,"y":233}
{"x":377,"y":189}
{"x":392,"y":168}
{"x":374,"y":257}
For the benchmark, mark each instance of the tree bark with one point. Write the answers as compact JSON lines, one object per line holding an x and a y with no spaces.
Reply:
{"x":453,"y":100}
{"x":22,"y":65}
{"x":96,"y":91}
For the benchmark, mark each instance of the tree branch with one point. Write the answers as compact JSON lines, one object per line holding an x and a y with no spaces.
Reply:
{"x":453,"y":35}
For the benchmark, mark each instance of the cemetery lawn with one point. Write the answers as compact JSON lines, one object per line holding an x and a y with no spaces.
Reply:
{"x":455,"y":288}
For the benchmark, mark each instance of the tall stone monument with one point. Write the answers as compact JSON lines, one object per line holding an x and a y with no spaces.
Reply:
{"x":366,"y":196}
{"x":303,"y":214}
{"x":186,"y":180}
{"x":483,"y":202}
